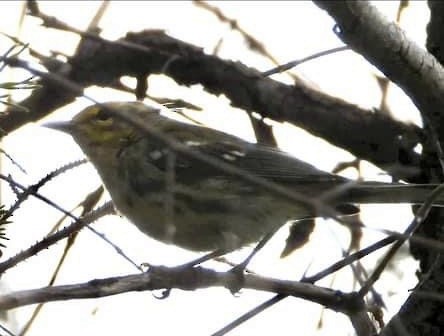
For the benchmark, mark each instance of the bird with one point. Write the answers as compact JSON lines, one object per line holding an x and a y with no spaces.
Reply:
{"x":179,"y":199}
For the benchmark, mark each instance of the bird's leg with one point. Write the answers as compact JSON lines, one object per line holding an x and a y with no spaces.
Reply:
{"x":239,"y":269}
{"x":166,"y":292}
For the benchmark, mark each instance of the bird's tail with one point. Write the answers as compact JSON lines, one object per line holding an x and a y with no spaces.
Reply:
{"x":374,"y":192}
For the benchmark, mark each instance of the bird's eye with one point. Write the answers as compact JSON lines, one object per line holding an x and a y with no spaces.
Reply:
{"x":103,"y":115}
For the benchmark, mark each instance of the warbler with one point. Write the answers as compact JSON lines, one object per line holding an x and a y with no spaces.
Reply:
{"x":176,"y":198}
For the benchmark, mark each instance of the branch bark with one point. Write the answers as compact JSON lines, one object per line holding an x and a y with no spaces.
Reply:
{"x":386,"y":46}
{"x":367,"y":134}
{"x":421,"y":76}
{"x":188,"y":278}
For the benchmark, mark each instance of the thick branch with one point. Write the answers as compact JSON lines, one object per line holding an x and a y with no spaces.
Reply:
{"x":435,"y":33}
{"x":386,"y":46}
{"x":372,"y":136}
{"x":418,"y":73}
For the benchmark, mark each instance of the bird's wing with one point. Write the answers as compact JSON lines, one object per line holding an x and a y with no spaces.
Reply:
{"x":255,"y":159}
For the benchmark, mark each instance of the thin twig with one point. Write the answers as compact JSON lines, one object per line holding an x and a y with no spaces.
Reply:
{"x":51,"y":240}
{"x":420,"y":216}
{"x":292,"y":64}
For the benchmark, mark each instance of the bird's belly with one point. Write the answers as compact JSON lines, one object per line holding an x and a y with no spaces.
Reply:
{"x":202,"y":224}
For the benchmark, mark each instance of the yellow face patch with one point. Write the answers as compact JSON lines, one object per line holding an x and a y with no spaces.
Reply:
{"x":96,"y":125}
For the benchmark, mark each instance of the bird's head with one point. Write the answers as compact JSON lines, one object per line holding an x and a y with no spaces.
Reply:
{"x":97,"y":126}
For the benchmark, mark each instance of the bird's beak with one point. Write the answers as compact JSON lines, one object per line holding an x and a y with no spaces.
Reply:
{"x":64,"y":126}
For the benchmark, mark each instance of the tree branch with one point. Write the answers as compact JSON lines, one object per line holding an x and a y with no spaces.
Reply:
{"x":372,"y":136}
{"x":185,"y":278}
{"x":384,"y":44}
{"x":420,"y":76}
